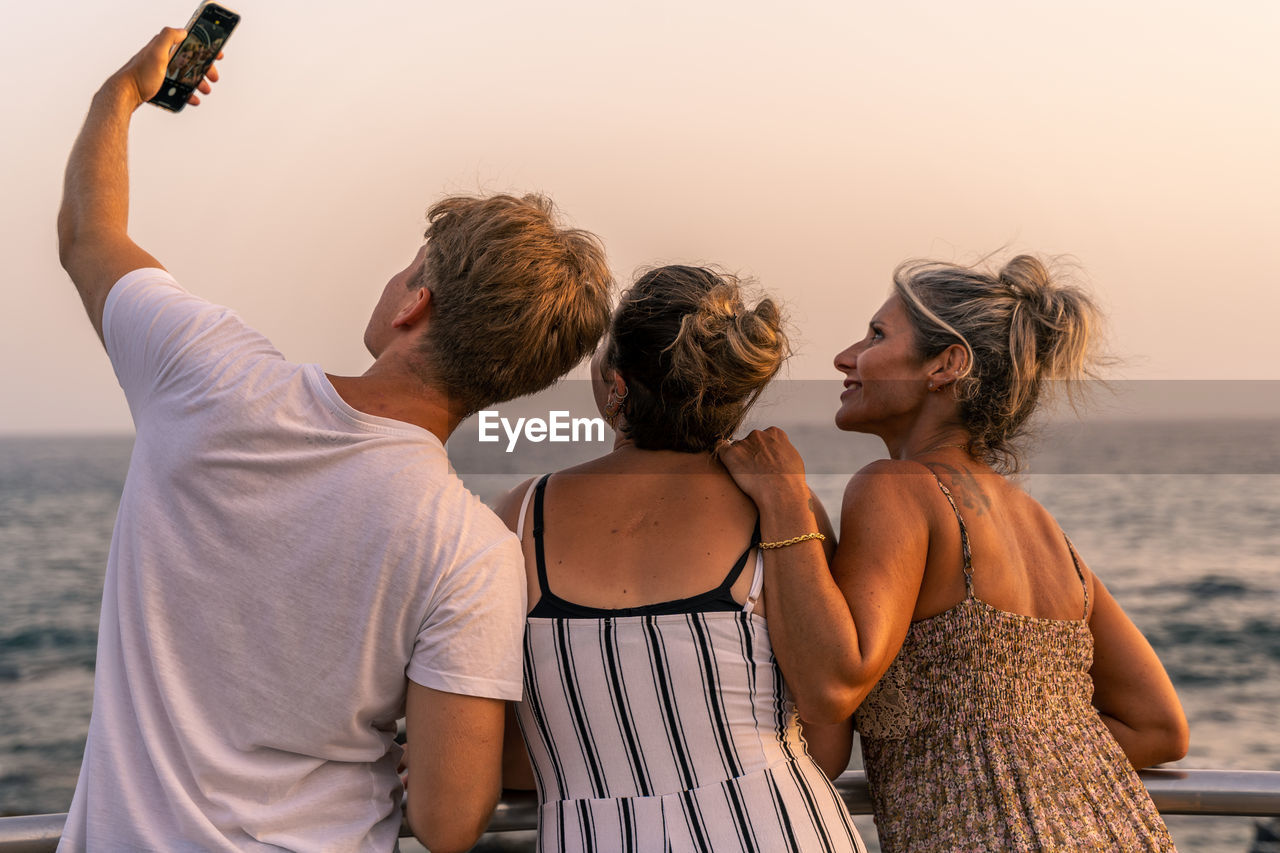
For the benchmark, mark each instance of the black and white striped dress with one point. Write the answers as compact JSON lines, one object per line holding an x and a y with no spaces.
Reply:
{"x":668,"y":729}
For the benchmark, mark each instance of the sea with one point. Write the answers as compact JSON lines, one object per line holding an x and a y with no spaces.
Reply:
{"x":1179,"y":517}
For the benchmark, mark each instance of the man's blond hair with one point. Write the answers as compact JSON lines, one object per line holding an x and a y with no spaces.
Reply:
{"x":516,"y":300}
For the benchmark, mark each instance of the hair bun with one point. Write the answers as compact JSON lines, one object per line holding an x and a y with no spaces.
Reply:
{"x":726,"y":349}
{"x":1054,"y":319}
{"x":1027,"y":278}
{"x":694,"y":355}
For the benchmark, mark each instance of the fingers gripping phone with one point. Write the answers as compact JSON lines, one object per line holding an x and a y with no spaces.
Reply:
{"x":207,"y":31}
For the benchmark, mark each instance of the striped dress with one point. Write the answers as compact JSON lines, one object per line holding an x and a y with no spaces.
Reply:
{"x":669,"y":730}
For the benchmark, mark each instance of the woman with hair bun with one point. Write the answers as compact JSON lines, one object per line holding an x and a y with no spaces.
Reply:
{"x":1004,"y":698}
{"x":668,"y":660}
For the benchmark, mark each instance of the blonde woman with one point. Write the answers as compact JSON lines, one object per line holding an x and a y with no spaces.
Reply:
{"x":1004,"y":696}
{"x":667,"y":656}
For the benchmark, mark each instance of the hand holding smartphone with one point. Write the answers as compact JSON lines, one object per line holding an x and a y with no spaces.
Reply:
{"x":207,"y":32}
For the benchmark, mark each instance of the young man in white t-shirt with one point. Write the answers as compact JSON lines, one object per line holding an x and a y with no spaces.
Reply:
{"x":294,"y":564}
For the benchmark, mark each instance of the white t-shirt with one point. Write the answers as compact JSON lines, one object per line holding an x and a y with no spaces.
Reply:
{"x":280,"y":563}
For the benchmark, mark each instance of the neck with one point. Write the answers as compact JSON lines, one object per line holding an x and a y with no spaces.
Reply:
{"x":960,"y":442}
{"x":923,"y":440}
{"x":400,"y":396}
{"x":625,"y":456}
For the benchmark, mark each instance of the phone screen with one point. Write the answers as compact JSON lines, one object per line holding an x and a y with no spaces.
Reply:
{"x":205,"y":37}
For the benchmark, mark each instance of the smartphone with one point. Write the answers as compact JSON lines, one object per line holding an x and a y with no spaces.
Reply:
{"x":207,"y":31}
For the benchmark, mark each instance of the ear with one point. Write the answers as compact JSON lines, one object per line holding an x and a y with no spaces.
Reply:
{"x":413,"y":310}
{"x":616,"y":383}
{"x":948,"y":366}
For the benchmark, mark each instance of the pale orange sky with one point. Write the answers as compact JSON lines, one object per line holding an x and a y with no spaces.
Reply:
{"x":812,"y":148}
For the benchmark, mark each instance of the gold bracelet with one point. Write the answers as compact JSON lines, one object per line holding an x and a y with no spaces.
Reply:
{"x":793,"y":540}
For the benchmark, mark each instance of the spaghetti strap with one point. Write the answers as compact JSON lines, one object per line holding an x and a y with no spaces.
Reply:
{"x":964,"y":539}
{"x":1075,"y":561}
{"x":524,"y":507}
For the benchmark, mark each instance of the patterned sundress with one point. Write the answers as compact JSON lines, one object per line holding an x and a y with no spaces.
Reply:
{"x":982,"y":737}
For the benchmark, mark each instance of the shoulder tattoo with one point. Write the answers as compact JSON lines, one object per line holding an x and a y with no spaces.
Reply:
{"x":970,"y":491}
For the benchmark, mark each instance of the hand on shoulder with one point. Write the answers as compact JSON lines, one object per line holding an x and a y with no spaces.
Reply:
{"x":766,"y":466}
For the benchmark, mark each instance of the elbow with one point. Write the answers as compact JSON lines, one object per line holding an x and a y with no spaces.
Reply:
{"x":443,"y":828}
{"x":833,"y":704}
{"x":444,"y":842}
{"x":439,"y":838}
{"x":831,"y":768}
{"x":1168,"y":737}
{"x":1175,"y":739}
{"x":66,"y":238}
{"x":837,"y":699}
{"x":72,"y":240}
{"x":1157,"y":741}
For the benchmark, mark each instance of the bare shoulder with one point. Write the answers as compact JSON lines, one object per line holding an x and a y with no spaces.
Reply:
{"x":886,"y":520}
{"x":891,"y":480}
{"x":508,"y":506}
{"x":890,"y":499}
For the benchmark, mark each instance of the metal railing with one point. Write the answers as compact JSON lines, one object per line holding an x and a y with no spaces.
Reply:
{"x":1196,"y":792}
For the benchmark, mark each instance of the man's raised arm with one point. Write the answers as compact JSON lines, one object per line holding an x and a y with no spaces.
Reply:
{"x":93,"y":239}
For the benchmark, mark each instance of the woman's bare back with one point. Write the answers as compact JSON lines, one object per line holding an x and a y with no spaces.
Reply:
{"x":1021,"y":560}
{"x":642,"y":527}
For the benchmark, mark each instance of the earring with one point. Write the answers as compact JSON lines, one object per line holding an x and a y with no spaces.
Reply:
{"x":614,"y":406}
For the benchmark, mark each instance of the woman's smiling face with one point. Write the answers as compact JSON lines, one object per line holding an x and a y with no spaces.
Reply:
{"x":885,"y":377}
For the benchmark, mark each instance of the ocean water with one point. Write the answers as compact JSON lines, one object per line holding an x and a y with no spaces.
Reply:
{"x":1178,"y":518}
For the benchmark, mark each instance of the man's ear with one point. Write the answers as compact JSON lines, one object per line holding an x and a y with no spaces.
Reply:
{"x":417,"y":307}
{"x":948,"y":366}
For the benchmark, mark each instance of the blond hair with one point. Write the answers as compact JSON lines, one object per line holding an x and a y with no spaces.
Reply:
{"x":1027,"y":333}
{"x":516,"y":300}
{"x":694,"y":356}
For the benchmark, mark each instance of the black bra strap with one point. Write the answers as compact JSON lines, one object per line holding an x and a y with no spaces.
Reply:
{"x":537,"y":533}
{"x":734,"y":573}
{"x":964,"y":539}
{"x":541,"y":560}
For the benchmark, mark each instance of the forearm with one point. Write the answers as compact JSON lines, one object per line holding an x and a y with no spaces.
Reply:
{"x":517,"y":771}
{"x":93,"y":239}
{"x":830,"y":745}
{"x":95,"y":194}
{"x":812,"y":632}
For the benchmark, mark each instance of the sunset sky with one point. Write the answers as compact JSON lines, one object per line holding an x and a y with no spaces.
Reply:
{"x":812,"y":147}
